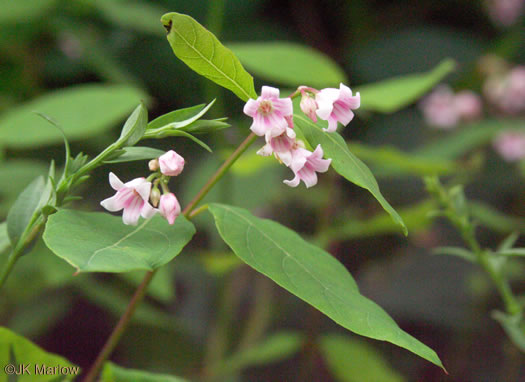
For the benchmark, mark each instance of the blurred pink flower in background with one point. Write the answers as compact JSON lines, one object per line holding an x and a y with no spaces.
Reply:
{"x":504,"y":12}
{"x":444,"y":109}
{"x":510,"y":145}
{"x":507,"y":92}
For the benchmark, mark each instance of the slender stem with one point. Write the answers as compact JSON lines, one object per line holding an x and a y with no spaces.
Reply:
{"x":122,"y":324}
{"x":124,"y":320}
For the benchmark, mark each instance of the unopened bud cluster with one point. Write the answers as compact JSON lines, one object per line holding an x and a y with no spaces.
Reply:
{"x":142,"y":197}
{"x":273,"y":120}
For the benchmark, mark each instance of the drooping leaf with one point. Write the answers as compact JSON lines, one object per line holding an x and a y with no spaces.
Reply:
{"x":99,"y":242}
{"x":455,"y":251}
{"x":25,"y":352}
{"x":351,"y":360}
{"x":202,"y":51}
{"x":344,"y":162}
{"x":289,"y":63}
{"x":22,"y":211}
{"x":311,"y":274}
{"x":512,"y":252}
{"x":276,"y":347}
{"x":115,"y":373}
{"x":83,"y":111}
{"x":130,"y":154}
{"x":135,"y":126}
{"x":205,"y":126}
{"x":393,"y":94}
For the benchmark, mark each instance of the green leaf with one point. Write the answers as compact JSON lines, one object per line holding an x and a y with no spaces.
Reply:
{"x":4,"y":237}
{"x":205,"y":126}
{"x":276,"y":347}
{"x":14,"y":12}
{"x":351,"y":360}
{"x":201,"y":51}
{"x":180,"y":118}
{"x":311,"y":274}
{"x":115,"y":373}
{"x":141,"y":17}
{"x":344,"y":162}
{"x":82,"y":111}
{"x":135,"y":126}
{"x":390,"y":161}
{"x":514,"y":326}
{"x":466,"y":138}
{"x":393,"y":94}
{"x":455,"y":251}
{"x":289,"y":63}
{"x":509,"y":241}
{"x":99,"y":242}
{"x":180,"y":133}
{"x":130,"y":154}
{"x":19,"y":349}
{"x":512,"y":252}
{"x":19,"y":174}
{"x":490,"y":217}
{"x":21,"y":213}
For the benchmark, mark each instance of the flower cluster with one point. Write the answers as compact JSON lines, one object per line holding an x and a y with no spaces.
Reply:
{"x":510,"y":145}
{"x":444,"y":109}
{"x":273,"y":120}
{"x":504,"y":12}
{"x":506,"y":90}
{"x":141,"y":197}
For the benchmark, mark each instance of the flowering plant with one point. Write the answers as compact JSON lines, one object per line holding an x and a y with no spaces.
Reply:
{"x":152,"y":216}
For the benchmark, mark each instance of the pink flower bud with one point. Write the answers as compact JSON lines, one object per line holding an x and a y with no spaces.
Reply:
{"x":154,"y":197}
{"x":309,"y":106}
{"x":171,"y":163}
{"x":169,"y":207}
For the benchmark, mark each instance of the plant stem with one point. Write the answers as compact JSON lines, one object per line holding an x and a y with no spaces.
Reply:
{"x":124,"y":320}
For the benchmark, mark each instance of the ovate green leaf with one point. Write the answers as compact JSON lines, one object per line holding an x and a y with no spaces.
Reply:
{"x":4,"y":238}
{"x":344,"y":162}
{"x":352,"y":360}
{"x":311,"y":274}
{"x":15,"y":349}
{"x":115,"y":373}
{"x":202,"y":51}
{"x":82,"y":112}
{"x":99,"y":242}
{"x":391,"y":95}
{"x":135,"y":126}
{"x":289,"y":63}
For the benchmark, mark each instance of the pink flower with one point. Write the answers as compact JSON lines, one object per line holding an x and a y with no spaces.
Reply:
{"x":132,"y":197}
{"x":269,"y":113}
{"x":169,"y":207}
{"x":171,"y":163}
{"x":439,"y":109}
{"x":308,"y":105}
{"x":336,"y":105}
{"x":305,"y":166}
{"x":468,"y":105}
{"x":510,"y":145}
{"x":507,"y":92}
{"x":281,"y":146}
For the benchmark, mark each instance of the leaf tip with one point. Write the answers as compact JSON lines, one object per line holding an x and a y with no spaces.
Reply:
{"x":167,"y":22}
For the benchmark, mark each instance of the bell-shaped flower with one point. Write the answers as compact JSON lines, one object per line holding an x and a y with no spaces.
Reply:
{"x":268,"y":113}
{"x":336,"y":105}
{"x":306,"y":164}
{"x":132,"y":197}
{"x":169,"y":207}
{"x":280,"y":146}
{"x":171,"y":163}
